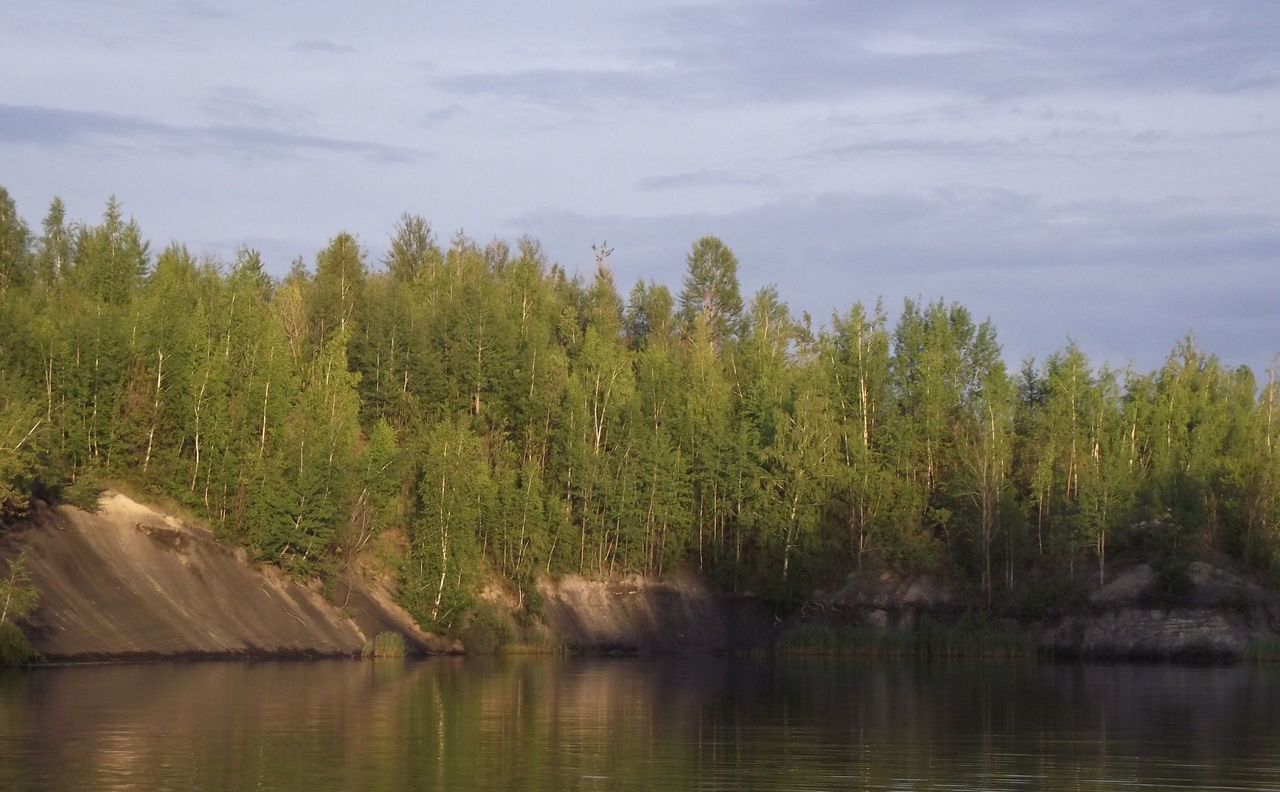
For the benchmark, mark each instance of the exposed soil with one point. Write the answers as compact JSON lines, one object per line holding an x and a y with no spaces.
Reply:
{"x":131,"y":583}
{"x":636,"y":614}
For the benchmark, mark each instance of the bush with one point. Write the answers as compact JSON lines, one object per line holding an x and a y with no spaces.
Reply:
{"x":486,"y":632}
{"x":386,"y":644}
{"x":1044,"y":596}
{"x":15,"y":650}
{"x":84,"y":493}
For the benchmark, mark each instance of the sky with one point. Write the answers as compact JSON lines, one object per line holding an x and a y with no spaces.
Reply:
{"x":1104,"y":172}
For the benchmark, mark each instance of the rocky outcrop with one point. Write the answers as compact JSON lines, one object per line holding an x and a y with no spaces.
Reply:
{"x":129,"y":582}
{"x":1134,"y":633}
{"x":636,"y":614}
{"x":1218,"y":616}
{"x":883,"y":601}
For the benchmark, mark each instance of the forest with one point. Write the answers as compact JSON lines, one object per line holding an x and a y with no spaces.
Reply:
{"x":468,"y":413}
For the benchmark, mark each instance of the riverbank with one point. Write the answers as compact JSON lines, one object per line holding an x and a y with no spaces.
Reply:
{"x":1217,"y":614}
{"x":131,"y":583}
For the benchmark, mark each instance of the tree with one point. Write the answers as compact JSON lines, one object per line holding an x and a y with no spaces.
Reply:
{"x":855,"y":364}
{"x":109,"y":261}
{"x":22,"y":433}
{"x":53,"y":250}
{"x":19,"y":596}
{"x":989,"y":451}
{"x":711,"y":290}
{"x":414,"y":253}
{"x":456,"y":493}
{"x":648,"y":319}
{"x":1106,"y":477}
{"x":15,"y":246}
{"x":339,"y":288}
{"x":801,"y":465}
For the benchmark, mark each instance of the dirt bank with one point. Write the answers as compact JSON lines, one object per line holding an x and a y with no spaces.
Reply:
{"x":637,"y":614}
{"x":129,"y":582}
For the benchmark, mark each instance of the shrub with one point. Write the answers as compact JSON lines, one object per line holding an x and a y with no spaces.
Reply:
{"x":84,"y":493}
{"x":386,"y":644}
{"x":486,"y":632}
{"x":15,"y":650}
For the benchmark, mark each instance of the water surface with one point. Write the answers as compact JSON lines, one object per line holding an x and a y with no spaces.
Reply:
{"x":605,"y":724}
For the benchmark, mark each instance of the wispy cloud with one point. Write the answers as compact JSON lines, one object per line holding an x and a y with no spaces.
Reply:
{"x":238,"y":104}
{"x":704,"y":178}
{"x":756,"y":50}
{"x":322,"y":47}
{"x":47,"y":126}
{"x":566,"y":89}
{"x":439,"y":115}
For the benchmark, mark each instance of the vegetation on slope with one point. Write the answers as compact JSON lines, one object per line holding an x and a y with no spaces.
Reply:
{"x":496,"y":415}
{"x":18,"y":598}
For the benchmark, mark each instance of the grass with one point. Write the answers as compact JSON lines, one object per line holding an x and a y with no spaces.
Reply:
{"x":970,"y":637}
{"x":526,"y":648}
{"x":386,"y":644}
{"x":1264,"y":649}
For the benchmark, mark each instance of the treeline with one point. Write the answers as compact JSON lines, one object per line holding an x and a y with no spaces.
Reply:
{"x":474,"y":411}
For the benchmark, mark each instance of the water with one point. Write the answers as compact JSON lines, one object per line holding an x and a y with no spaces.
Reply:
{"x":666,"y":724}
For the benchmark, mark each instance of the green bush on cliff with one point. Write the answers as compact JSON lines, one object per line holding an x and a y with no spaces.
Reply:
{"x":84,"y":493}
{"x":18,"y":599}
{"x":15,"y":650}
{"x":486,"y":631}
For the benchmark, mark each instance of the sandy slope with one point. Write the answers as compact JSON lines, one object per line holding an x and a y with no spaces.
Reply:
{"x":131,"y":582}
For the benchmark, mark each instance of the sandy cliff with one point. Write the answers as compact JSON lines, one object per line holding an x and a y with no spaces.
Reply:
{"x":129,"y":582}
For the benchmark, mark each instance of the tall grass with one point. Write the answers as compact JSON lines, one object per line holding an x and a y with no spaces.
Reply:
{"x":386,"y":644}
{"x":1264,"y":649}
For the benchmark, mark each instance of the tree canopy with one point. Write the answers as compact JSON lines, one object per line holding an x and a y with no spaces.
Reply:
{"x":478,"y":412}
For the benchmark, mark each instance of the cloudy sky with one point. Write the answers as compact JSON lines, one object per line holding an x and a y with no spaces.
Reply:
{"x":1108,"y":172}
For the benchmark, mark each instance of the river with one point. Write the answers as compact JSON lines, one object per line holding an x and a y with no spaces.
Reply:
{"x":618,"y":724}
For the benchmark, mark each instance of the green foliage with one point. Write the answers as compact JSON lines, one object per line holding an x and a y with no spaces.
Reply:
{"x":386,"y":644}
{"x":711,"y":289}
{"x":24,"y":433}
{"x":1047,"y":596}
{"x":85,"y":493}
{"x":482,"y":414}
{"x":15,"y":650}
{"x":19,"y":596}
{"x":1168,"y":546}
{"x":486,"y":631}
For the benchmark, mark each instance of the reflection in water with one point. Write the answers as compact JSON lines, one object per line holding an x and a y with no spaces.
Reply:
{"x":675,"y":723}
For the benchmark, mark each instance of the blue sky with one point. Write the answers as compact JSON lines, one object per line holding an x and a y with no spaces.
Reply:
{"x":1105,"y":171}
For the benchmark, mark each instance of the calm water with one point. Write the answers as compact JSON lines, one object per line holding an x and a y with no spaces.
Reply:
{"x":707,"y":724}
